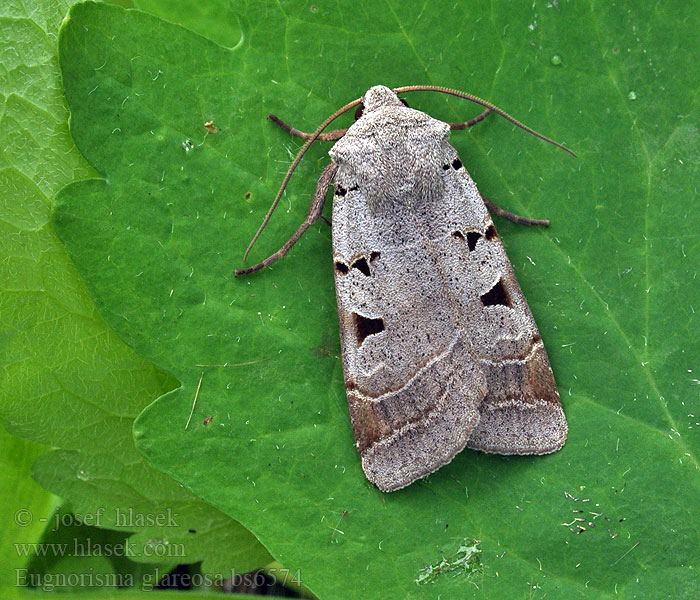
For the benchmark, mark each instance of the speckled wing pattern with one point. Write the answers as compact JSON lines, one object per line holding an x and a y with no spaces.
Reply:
{"x":440,"y":349}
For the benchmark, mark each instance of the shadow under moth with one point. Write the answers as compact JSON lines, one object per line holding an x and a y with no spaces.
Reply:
{"x":440,"y":349}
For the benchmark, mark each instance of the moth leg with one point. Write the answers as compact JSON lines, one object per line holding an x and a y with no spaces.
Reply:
{"x":471,"y":122}
{"x":324,"y":182}
{"x":497,"y":210}
{"x":329,"y":136}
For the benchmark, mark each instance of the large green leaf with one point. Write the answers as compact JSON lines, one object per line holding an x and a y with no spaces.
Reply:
{"x":24,"y":508}
{"x":66,"y":380}
{"x":611,"y":282}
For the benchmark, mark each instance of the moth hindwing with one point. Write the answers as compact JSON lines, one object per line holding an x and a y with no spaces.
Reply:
{"x":440,"y":350}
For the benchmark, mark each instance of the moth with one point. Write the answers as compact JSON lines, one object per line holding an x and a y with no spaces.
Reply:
{"x":440,"y":350}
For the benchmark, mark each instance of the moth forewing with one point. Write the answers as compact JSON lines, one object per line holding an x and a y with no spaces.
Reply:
{"x":413,"y":390}
{"x":521,"y":412}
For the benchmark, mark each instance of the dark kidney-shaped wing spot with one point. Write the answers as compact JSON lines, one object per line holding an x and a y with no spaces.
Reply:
{"x":472,"y":239}
{"x":361,"y":265}
{"x":458,"y":235}
{"x":365,"y":326}
{"x":491,"y":232}
{"x":445,"y":167}
{"x":456,"y":164}
{"x":341,"y":267}
{"x":340,"y":190}
{"x":496,"y":295}
{"x":359,"y":110}
{"x":374,"y":256}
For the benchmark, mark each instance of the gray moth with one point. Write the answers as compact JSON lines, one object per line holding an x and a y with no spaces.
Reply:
{"x":440,"y":349}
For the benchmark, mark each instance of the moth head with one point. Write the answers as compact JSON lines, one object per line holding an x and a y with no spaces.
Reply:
{"x":379,"y":96}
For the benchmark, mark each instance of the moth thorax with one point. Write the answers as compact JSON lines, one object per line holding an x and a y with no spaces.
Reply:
{"x":400,"y":173}
{"x":393,"y":154}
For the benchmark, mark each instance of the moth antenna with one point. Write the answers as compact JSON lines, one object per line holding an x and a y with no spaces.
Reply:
{"x":505,"y":115}
{"x":297,"y":160}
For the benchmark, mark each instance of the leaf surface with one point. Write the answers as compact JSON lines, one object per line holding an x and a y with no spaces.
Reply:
{"x":66,"y":380}
{"x":611,"y":282}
